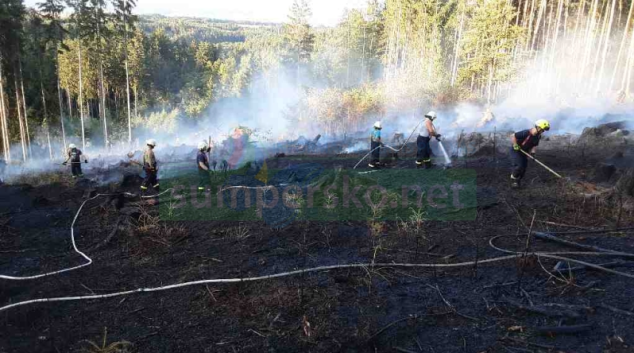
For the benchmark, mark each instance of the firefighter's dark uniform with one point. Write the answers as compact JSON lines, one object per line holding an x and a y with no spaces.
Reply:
{"x":203,"y":175}
{"x":527,"y":142}
{"x":74,"y":155}
{"x":375,"y":143}
{"x":151,"y":170}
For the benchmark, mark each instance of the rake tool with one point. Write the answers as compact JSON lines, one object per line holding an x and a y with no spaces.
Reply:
{"x":542,"y":164}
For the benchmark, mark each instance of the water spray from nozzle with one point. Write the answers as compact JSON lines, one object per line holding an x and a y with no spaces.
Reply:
{"x":444,"y":152}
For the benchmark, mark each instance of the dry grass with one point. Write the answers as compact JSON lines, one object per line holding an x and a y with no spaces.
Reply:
{"x":240,"y":232}
{"x":39,"y":179}
{"x":151,"y":228}
{"x":147,"y":223}
{"x":114,"y":347}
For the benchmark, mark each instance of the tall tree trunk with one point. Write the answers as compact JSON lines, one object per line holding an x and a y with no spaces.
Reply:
{"x":542,"y":9}
{"x":606,"y":46}
{"x":598,"y":49}
{"x":127,"y":74}
{"x":136,"y":101}
{"x":70,"y":104}
{"x":81,"y":100}
{"x":20,"y":121}
{"x":530,"y":26}
{"x":362,"y":55}
{"x":618,"y":17}
{"x":61,"y":112}
{"x":555,"y":36}
{"x":454,"y":70}
{"x":6,"y":144}
{"x":489,"y":84}
{"x":26,"y":118}
{"x":627,"y":78}
{"x":348,"y":59}
{"x":588,"y":41}
{"x":575,"y":43}
{"x":544,"y":72}
{"x":525,"y":14}
{"x":102,"y":93}
{"x":48,"y":130}
{"x":103,"y":108}
{"x":623,"y":42}
{"x":116,"y":103}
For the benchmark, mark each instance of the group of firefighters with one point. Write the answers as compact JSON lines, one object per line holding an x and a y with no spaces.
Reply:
{"x":150,"y":166}
{"x":523,"y":142}
{"x":75,"y":156}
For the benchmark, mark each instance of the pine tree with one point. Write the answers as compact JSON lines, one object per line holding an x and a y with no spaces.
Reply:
{"x":11,"y":16}
{"x":97,"y":30}
{"x":51,"y":11}
{"x":125,"y":24}
{"x":298,"y":33}
{"x":79,"y":20}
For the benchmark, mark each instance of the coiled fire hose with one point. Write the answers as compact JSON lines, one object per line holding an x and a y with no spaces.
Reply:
{"x":72,"y":239}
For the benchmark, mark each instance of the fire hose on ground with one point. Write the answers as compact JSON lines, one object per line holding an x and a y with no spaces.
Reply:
{"x":390,"y":147}
{"x":513,"y":255}
{"x":72,"y":239}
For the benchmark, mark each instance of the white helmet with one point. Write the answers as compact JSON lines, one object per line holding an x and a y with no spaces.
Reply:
{"x":202,"y":145}
{"x":431,"y":115}
{"x":151,"y":142}
{"x":377,"y":125}
{"x":72,"y":146}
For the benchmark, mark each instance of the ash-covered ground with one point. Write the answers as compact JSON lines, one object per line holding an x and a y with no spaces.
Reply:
{"x":528,"y":304}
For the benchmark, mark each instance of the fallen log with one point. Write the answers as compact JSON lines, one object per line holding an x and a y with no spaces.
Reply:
{"x":549,"y":237}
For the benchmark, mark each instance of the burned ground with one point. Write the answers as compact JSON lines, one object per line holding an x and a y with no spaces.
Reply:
{"x":509,"y":306}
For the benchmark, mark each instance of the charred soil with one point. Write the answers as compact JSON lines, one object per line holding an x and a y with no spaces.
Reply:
{"x":508,"y":306}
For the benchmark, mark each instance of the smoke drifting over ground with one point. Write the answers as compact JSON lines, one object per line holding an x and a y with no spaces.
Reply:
{"x":549,"y":88}
{"x":262,"y":109}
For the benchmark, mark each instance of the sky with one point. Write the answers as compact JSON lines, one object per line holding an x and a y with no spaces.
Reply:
{"x":325,"y":12}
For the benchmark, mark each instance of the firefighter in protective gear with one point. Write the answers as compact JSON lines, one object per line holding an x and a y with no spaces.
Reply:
{"x":74,"y":156}
{"x":427,"y":131}
{"x":375,"y":144}
{"x":203,"y":166}
{"x":527,"y":141}
{"x":150,"y":167}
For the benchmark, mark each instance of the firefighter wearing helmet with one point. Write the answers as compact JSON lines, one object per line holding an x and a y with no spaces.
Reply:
{"x":150,"y":166}
{"x":203,"y":166}
{"x":525,"y":141}
{"x":375,"y":145}
{"x":74,"y":155}
{"x":427,"y":131}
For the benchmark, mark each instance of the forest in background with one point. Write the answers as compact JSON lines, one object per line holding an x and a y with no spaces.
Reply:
{"x":94,"y":72}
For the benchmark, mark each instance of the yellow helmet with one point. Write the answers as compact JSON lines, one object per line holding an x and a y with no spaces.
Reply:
{"x":542,"y":124}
